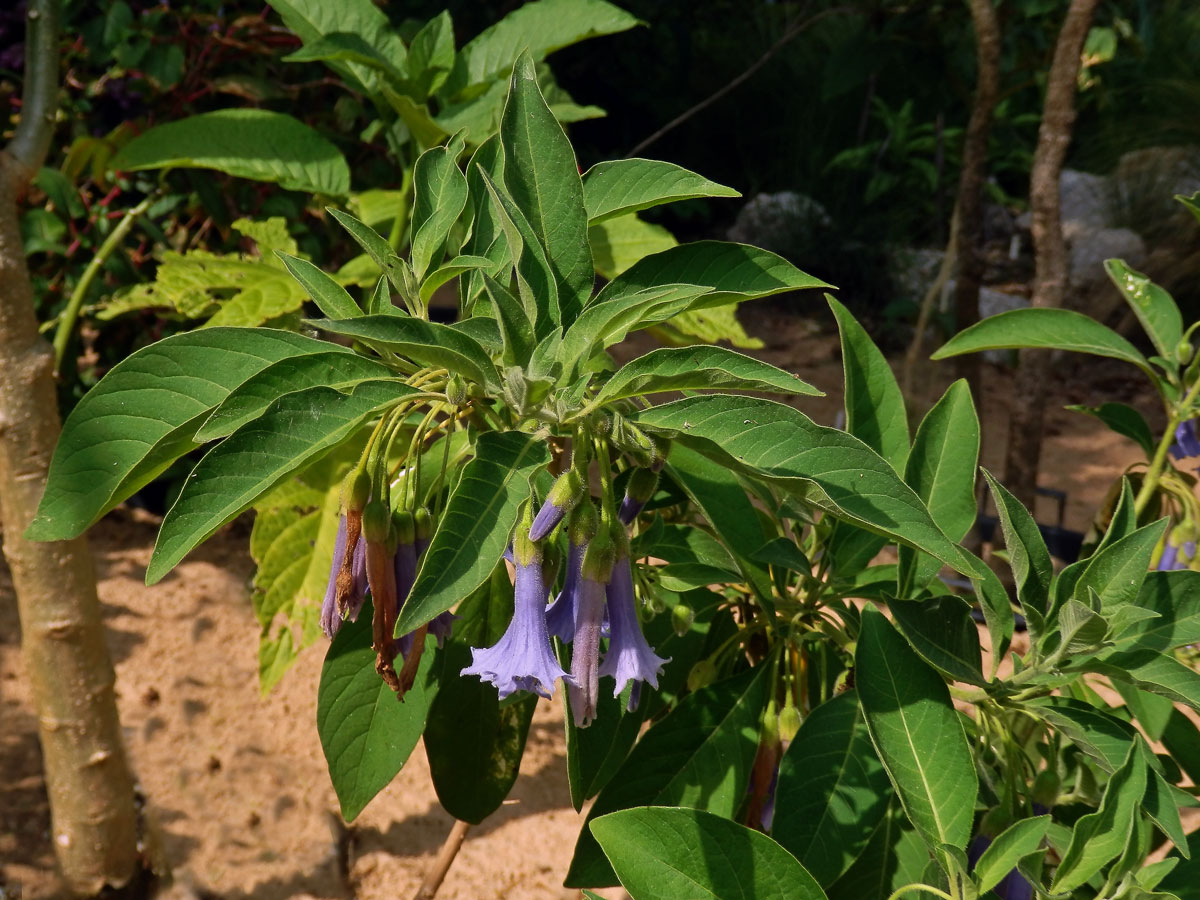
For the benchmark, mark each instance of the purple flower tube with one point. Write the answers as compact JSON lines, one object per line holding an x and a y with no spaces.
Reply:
{"x":562,"y":498}
{"x":560,"y":616}
{"x":1187,"y":443}
{"x":331,"y":620}
{"x":629,"y":656}
{"x":641,"y":487}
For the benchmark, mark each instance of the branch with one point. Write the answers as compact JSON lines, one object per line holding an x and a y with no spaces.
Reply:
{"x":39,"y":97}
{"x":791,"y":32}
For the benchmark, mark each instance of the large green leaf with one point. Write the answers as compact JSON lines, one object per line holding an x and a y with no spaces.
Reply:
{"x":431,"y":55}
{"x":894,"y":857}
{"x":541,"y":28}
{"x":1010,"y":846}
{"x":1051,"y":329}
{"x":699,"y":756}
{"x":312,"y":20}
{"x":1152,"y":672}
{"x":338,"y":368}
{"x":1154,"y":307}
{"x":918,"y":733}
{"x":1115,"y":572}
{"x":732,"y":272}
{"x":943,"y":633}
{"x":477,"y":524}
{"x":1100,"y":837}
{"x":1124,"y":420}
{"x":427,"y":343}
{"x":375,"y":246}
{"x":142,"y":416}
{"x":474,"y":744}
{"x":874,"y":405}
{"x":367,"y":735}
{"x":1175,"y":597}
{"x":295,"y":430}
{"x":662,"y":852}
{"x":832,"y":791}
{"x":621,"y":186}
{"x":345,"y":47}
{"x":697,"y":368}
{"x":247,"y":143}
{"x":542,"y":177}
{"x":440,"y":193}
{"x":1027,"y":553}
{"x":830,"y":469}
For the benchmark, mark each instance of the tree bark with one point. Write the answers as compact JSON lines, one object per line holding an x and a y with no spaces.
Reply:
{"x":971,"y":182}
{"x":94,"y":821}
{"x":1050,"y":254}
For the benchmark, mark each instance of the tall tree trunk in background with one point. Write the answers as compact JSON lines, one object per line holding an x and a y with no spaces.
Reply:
{"x":1050,"y":252}
{"x":94,"y":821}
{"x":971,"y":182}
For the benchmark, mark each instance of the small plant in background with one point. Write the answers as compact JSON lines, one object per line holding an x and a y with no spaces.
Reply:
{"x":478,"y":511}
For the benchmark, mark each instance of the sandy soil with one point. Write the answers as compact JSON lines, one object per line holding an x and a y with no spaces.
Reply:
{"x":237,"y":782}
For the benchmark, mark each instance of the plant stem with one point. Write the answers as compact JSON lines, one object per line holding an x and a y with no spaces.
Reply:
{"x":66,"y":321}
{"x":909,"y":888}
{"x":441,"y":865}
{"x":1158,"y":462}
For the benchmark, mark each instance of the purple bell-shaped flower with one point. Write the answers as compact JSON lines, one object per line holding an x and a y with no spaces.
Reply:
{"x":629,"y":656}
{"x":560,"y":615}
{"x":331,"y":621}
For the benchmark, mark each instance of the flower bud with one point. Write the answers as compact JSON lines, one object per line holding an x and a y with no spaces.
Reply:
{"x":789,"y":722}
{"x":404,"y":529}
{"x":376,"y":522}
{"x":456,"y":390}
{"x":682,"y":617}
{"x":563,"y":496}
{"x":1184,"y":351}
{"x":423,"y":524}
{"x":638,"y":490}
{"x":356,"y":489}
{"x":525,"y":551}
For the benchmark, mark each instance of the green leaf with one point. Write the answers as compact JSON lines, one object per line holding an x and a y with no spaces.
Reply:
{"x":476,"y":526}
{"x":142,"y":416}
{"x":515,"y":326}
{"x":1158,"y":313}
{"x":1028,"y":556}
{"x":1051,"y":329}
{"x":331,"y":298}
{"x":541,"y":28}
{"x":338,"y":368}
{"x":1101,"y":736}
{"x":313,"y":19}
{"x":474,"y":745}
{"x":661,"y":852}
{"x":1152,"y":672}
{"x":1116,"y":572}
{"x":1017,"y":841}
{"x":449,"y":270}
{"x":943,"y":633}
{"x":1124,"y":420}
{"x":426,"y":131}
{"x":874,"y":405}
{"x":716,"y":323}
{"x":832,"y":791}
{"x":1175,"y":597}
{"x":376,"y":247}
{"x":345,"y":47}
{"x":431,"y":55}
{"x":426,"y":343}
{"x":440,"y":196}
{"x":941,"y":467}
{"x":918,"y":733}
{"x":622,"y":186}
{"x":894,"y":857}
{"x":367,"y":735}
{"x":246,"y":143}
{"x":827,"y":468}
{"x":295,"y":430}
{"x":618,"y":243}
{"x":596,"y":752}
{"x":542,"y":177}
{"x":732,"y":272}
{"x":697,"y":368}
{"x":699,"y":755}
{"x":1100,"y":837}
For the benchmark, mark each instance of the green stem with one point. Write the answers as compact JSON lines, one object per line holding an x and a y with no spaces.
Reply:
{"x":910,"y":888}
{"x":1154,"y":473}
{"x":66,"y":322}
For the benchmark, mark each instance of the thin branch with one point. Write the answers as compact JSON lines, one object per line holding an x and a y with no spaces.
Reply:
{"x":454,"y":840}
{"x":791,"y":32}
{"x":39,"y":97}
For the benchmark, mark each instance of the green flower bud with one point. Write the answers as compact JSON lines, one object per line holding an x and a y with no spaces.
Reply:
{"x":356,"y":489}
{"x":789,"y":722}
{"x":1184,"y":351}
{"x":423,"y":523}
{"x":404,"y":526}
{"x":376,"y":522}
{"x":456,"y":389}
{"x":682,"y":617}
{"x":526,"y":552}
{"x":995,"y":820}
{"x":702,"y":675}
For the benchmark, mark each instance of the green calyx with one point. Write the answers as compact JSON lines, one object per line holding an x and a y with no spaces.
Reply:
{"x":584,"y":523}
{"x":600,"y":557}
{"x":404,"y":526}
{"x":356,"y":489}
{"x":423,"y":523}
{"x":525,"y":551}
{"x":376,"y":522}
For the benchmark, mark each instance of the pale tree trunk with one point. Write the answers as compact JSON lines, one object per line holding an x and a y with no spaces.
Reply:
{"x":1050,"y":253}
{"x":94,"y":823}
{"x":971,"y":182}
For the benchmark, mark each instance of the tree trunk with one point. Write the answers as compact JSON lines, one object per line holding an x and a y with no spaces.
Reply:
{"x":1050,"y":254}
{"x":94,"y":821}
{"x":971,"y":181}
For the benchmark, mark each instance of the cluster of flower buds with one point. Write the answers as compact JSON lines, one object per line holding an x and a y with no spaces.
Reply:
{"x":597,"y":601}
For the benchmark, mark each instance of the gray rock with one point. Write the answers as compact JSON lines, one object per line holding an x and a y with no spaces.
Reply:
{"x":1084,"y":202}
{"x":1089,"y":289}
{"x":993,"y":302}
{"x":788,"y":223}
{"x":913,"y":270}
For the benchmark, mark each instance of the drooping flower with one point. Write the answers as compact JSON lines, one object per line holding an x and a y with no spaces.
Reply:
{"x":522,"y":660}
{"x":594,"y":575}
{"x":1187,"y":443}
{"x":563,"y":496}
{"x":331,"y":619}
{"x":629,"y":656}
{"x":560,"y":616}
{"x":407,"y":560}
{"x":641,"y":487}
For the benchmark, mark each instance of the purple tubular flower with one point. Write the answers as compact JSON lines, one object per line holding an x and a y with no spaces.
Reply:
{"x":560,"y":615}
{"x":641,"y":487}
{"x":1187,"y":443}
{"x":561,"y":499}
{"x":585,"y":651}
{"x":522,"y":660}
{"x":629,"y":656}
{"x":767,"y":816}
{"x":331,"y":620}
{"x":1169,"y":561}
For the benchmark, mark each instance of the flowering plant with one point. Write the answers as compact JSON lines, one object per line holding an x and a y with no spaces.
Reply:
{"x":497,"y":511}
